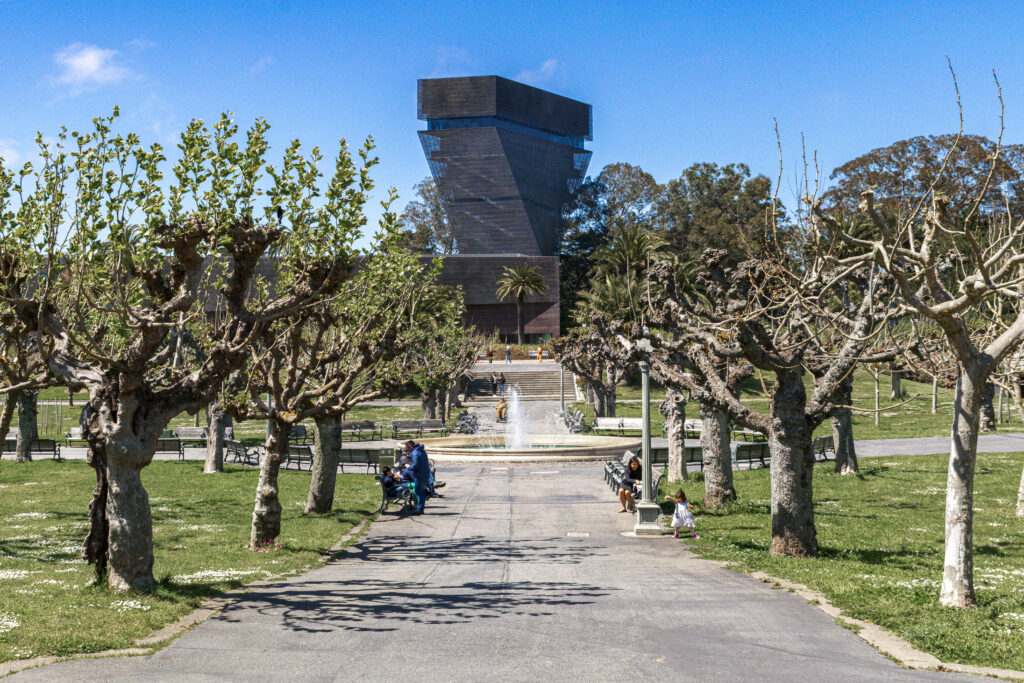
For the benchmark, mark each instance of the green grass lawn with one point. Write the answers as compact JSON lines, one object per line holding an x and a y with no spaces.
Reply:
{"x":881,"y":542}
{"x":895,"y":421}
{"x":200,"y":532}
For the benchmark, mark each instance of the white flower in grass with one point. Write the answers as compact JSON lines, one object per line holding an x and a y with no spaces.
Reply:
{"x":8,"y":622}
{"x":218,"y":575}
{"x":32,"y":515}
{"x":123,"y":606}
{"x":14,"y":573}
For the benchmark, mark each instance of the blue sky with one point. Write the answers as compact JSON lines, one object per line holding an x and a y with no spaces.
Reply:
{"x":671,"y":83}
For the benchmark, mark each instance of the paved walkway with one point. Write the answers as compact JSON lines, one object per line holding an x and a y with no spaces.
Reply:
{"x":520,"y":573}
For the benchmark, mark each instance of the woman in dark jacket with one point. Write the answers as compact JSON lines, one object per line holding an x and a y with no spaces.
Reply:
{"x":634,"y":475}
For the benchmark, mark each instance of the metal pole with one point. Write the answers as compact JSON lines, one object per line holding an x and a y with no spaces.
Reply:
{"x":648,"y":512}
{"x":269,"y":405}
{"x":561,"y":385}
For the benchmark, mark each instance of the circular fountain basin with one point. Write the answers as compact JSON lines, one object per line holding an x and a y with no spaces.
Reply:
{"x":540,"y":447}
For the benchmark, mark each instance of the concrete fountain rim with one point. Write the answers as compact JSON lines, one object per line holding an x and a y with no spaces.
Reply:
{"x":590,"y":448}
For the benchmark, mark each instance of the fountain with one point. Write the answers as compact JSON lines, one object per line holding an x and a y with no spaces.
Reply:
{"x":517,"y":444}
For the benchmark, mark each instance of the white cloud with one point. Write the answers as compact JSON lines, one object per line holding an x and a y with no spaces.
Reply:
{"x":140,"y":44}
{"x":542,"y":74}
{"x":88,"y":67}
{"x":9,"y":153}
{"x":260,"y":64}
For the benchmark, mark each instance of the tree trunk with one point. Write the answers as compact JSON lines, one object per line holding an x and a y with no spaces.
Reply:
{"x":520,"y":322}
{"x":131,"y":527}
{"x":878,"y":412}
{"x":895,"y":388}
{"x":958,"y":565}
{"x":94,"y":549}
{"x":842,"y":429}
{"x":215,"y":439}
{"x":792,"y":470}
{"x":935,"y":394}
{"x":674,"y":410}
{"x":28,"y":431}
{"x":429,"y":403}
{"x":1020,"y":496}
{"x":609,"y":391}
{"x":988,"y":411}
{"x":327,"y":448}
{"x":714,"y":443}
{"x":266,"y":514}
{"x":6,"y":415}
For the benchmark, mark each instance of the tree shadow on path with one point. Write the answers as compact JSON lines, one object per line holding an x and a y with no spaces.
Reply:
{"x":370,"y":605}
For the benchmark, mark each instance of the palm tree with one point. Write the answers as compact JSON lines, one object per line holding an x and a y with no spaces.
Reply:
{"x":519,"y":282}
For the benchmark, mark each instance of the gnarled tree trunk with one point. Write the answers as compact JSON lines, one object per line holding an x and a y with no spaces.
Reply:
{"x":326,"y":450}
{"x":792,"y":470}
{"x":1020,"y":496}
{"x":958,"y":566}
{"x":266,"y":514}
{"x":988,"y":411}
{"x":714,"y":443}
{"x":674,"y":410}
{"x":842,"y":429}
{"x":6,"y":415}
{"x":895,"y":387}
{"x":215,"y":439}
{"x":429,"y":403}
{"x":28,"y":430}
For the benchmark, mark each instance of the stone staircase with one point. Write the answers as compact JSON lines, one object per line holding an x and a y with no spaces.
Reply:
{"x":536,"y":384}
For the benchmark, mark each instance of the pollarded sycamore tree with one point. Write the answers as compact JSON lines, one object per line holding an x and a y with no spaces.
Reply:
{"x":318,"y":362}
{"x":516,"y":283}
{"x":592,"y":356}
{"x":761,"y":314}
{"x":119,"y":263}
{"x":945,"y":268}
{"x":443,"y":350}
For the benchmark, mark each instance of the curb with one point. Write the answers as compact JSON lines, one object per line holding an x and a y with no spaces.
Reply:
{"x":889,"y":644}
{"x":206,"y":609}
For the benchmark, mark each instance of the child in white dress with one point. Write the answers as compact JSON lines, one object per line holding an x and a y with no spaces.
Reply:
{"x":682,"y":517}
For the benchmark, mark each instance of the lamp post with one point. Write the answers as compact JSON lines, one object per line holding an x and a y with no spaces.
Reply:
{"x":561,"y":384}
{"x":648,"y":512}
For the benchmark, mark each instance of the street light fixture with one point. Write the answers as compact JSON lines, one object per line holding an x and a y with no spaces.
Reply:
{"x":648,"y":512}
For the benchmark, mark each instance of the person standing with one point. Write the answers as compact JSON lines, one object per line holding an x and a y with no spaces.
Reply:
{"x":419,"y":465}
{"x":508,"y":353}
{"x":540,"y":354}
{"x":494,"y":382}
{"x":501,"y":383}
{"x":490,"y":355}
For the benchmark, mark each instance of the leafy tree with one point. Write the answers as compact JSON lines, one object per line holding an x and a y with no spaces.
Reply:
{"x":117,"y":263}
{"x":620,"y":194}
{"x":320,"y":361}
{"x":619,"y":288}
{"x":958,"y":166}
{"x":718,"y":207}
{"x":427,"y":228}
{"x":443,"y":351}
{"x":517,"y":283}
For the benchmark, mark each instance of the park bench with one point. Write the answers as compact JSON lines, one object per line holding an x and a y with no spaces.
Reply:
{"x":417,"y":427}
{"x":401,"y":495}
{"x":370,"y":457}
{"x":607,"y":424}
{"x":753,"y":452}
{"x":298,"y":434}
{"x":299,"y":453}
{"x":433,"y":426}
{"x":615,"y":474}
{"x":361,"y":427}
{"x":747,"y":435}
{"x":822,"y":446}
{"x":238,"y":452}
{"x":74,"y":439}
{"x":48,"y":447}
{"x":170,"y":445}
{"x":193,"y":436}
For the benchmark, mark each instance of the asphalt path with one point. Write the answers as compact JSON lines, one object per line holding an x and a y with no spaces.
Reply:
{"x":521,"y":572}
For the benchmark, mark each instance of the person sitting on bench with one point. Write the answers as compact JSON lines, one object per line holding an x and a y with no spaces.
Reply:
{"x":502,"y":409}
{"x":392,"y":482}
{"x":634,"y":475}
